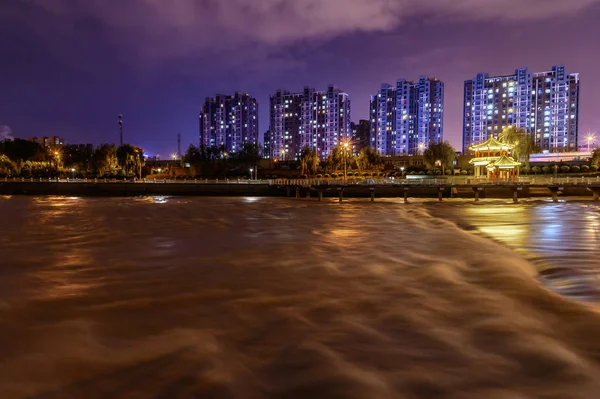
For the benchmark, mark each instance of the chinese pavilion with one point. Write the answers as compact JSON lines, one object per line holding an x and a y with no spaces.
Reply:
{"x":492,"y":159}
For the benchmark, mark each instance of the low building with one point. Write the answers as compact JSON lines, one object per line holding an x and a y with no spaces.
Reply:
{"x":492,"y":159}
{"x":48,"y":142}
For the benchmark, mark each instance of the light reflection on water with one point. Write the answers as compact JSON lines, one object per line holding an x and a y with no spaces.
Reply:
{"x":561,"y":239}
{"x":261,"y":298}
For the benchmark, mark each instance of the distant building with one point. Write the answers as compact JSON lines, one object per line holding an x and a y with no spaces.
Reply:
{"x":267,"y":144}
{"x":229,"y":121}
{"x":316,"y":119}
{"x":48,"y":142}
{"x":361,"y":133}
{"x":80,"y":147}
{"x":546,"y":104}
{"x":407,"y":117}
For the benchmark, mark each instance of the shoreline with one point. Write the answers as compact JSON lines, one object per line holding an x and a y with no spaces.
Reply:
{"x":130,"y":189}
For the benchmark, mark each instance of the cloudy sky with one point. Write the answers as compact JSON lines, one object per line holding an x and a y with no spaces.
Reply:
{"x":68,"y":67}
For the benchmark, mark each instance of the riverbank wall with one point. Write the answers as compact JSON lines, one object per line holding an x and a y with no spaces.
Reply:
{"x":129,"y":189}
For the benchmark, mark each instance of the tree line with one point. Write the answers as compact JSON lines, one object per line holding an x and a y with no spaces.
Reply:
{"x":23,"y":158}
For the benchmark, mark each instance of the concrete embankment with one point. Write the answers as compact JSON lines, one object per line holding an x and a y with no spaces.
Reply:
{"x":78,"y":189}
{"x":90,"y":189}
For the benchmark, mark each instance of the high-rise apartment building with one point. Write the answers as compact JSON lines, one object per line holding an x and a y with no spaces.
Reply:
{"x":361,"y":134}
{"x":407,"y":117}
{"x":546,"y":104}
{"x":267,"y":144}
{"x":229,"y":121}
{"x":315,"y":119}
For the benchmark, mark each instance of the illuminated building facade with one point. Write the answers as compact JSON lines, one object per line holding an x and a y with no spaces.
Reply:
{"x":407,"y":117}
{"x":229,"y":121}
{"x":545,"y":104}
{"x":315,"y":119}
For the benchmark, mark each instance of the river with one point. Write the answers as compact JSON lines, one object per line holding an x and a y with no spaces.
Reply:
{"x":174,"y":297}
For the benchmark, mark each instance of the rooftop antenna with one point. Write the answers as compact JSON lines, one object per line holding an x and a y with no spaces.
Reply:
{"x":121,"y":127}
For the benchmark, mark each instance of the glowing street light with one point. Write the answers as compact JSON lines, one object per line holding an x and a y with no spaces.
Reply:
{"x":251,"y":170}
{"x":402,"y":170}
{"x":73,"y":171}
{"x":590,"y":139}
{"x":173,"y":157}
{"x":345,"y":146}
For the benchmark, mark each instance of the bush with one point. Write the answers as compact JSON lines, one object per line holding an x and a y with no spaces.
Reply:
{"x":438,"y":172}
{"x":565,"y":168}
{"x":593,"y":168}
{"x":319,"y":176}
{"x":464,"y":172}
{"x":421,"y":173}
{"x":526,"y":169}
{"x":334,"y":175}
{"x":448,"y":172}
{"x":326,"y":175}
{"x":381,"y":174}
{"x":304,"y":177}
{"x":546,"y":169}
{"x":585,"y":168}
{"x":536,"y":169}
{"x":575,"y":169}
{"x":365,"y":174}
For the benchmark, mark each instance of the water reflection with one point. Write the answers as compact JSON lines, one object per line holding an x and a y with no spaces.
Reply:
{"x":238,"y":298}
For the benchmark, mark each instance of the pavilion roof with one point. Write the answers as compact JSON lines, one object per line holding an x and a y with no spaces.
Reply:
{"x":483,"y":160}
{"x":504,"y":162}
{"x":491,"y":144}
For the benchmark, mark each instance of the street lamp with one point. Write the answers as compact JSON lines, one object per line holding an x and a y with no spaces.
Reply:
{"x":346,"y":145}
{"x":73,"y":170}
{"x":402,"y":170}
{"x":159,"y":170}
{"x":251,"y":170}
{"x":590,"y":139}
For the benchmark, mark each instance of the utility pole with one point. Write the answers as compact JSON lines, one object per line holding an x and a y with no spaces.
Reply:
{"x":121,"y":127}
{"x":179,"y":145}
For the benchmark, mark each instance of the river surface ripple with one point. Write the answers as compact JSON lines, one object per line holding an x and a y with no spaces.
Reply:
{"x":283,"y":298}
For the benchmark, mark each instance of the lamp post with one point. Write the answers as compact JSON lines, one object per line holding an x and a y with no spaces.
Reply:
{"x":251,"y":170}
{"x":73,"y":171}
{"x":346,"y":145}
{"x":402,"y":170}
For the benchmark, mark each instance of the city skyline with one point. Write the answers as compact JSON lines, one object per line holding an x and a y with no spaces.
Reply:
{"x":87,"y":63}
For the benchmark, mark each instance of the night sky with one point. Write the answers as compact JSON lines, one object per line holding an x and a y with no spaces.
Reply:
{"x":68,"y":67}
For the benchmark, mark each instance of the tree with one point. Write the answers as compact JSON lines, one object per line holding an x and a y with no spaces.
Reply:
{"x":19,"y":149}
{"x":309,"y":161}
{"x":250,"y":154}
{"x":6,"y":165}
{"x":105,"y":159}
{"x":127,"y":157}
{"x":369,"y":158}
{"x":194,"y":155}
{"x":442,"y":153}
{"x":523,"y":142}
{"x":595,"y":161}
